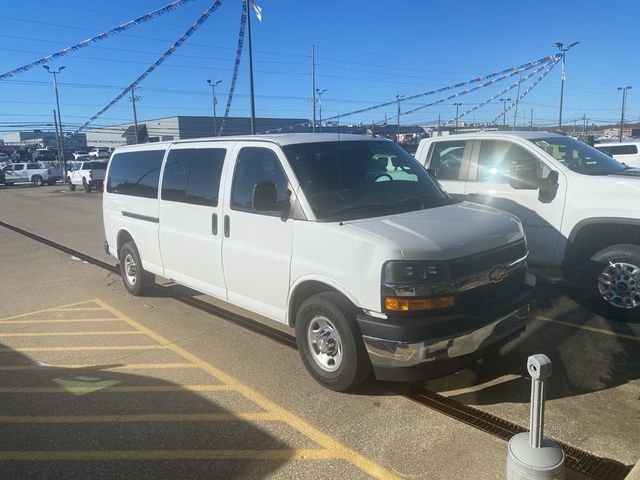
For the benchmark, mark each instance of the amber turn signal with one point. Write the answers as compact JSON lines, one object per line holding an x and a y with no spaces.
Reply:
{"x":399,"y":304}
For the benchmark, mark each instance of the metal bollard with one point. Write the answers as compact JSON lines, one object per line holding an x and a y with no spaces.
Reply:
{"x":530,"y":456}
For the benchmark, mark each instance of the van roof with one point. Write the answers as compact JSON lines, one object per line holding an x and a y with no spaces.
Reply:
{"x":280,"y":139}
{"x":523,"y":134}
{"x":613,"y":143}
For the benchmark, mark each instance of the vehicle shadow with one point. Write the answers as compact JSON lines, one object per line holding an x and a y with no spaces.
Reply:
{"x":99,"y":422}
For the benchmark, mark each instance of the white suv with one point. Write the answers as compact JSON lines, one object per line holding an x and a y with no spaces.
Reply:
{"x":624,"y":152}
{"x":579,"y":207}
{"x":375,"y":267}
{"x":100,"y":152}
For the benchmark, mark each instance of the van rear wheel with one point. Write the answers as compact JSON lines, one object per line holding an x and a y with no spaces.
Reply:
{"x":136,"y":279}
{"x":329,"y":342}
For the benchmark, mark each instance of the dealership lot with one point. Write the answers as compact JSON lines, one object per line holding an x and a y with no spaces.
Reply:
{"x":159,"y":385}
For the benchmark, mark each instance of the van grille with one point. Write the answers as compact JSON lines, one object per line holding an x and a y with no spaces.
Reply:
{"x":463,"y":267}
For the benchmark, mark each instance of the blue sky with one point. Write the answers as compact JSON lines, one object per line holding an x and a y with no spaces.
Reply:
{"x":367,"y":52}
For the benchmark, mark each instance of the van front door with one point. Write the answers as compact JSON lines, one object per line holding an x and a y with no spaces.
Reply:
{"x":190,"y":231}
{"x":257,"y":245}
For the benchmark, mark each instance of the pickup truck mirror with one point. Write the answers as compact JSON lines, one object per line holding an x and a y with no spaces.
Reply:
{"x":524,"y":175}
{"x":549,"y":187}
{"x":265,"y":198}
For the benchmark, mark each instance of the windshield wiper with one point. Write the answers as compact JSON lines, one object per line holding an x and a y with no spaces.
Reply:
{"x":425,"y":200}
{"x":362,"y":208}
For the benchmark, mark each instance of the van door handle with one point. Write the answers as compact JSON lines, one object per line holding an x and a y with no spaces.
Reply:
{"x":214,"y":223}
{"x":226,"y":226}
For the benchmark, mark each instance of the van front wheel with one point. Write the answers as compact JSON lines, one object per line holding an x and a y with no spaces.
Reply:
{"x":135,"y":279}
{"x":329,"y":342}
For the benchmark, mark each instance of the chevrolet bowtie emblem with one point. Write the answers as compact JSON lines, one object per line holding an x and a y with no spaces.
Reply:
{"x":497,"y":274}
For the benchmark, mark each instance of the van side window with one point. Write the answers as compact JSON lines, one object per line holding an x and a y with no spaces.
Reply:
{"x":619,"y":149}
{"x":176,"y":172}
{"x":135,"y":173}
{"x":446,"y":159}
{"x":204,"y":176}
{"x":255,"y":165}
{"x":496,"y":157}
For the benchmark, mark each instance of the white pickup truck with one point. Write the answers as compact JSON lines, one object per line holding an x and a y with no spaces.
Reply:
{"x":33,"y":172}
{"x":88,"y":174}
{"x":578,"y":206}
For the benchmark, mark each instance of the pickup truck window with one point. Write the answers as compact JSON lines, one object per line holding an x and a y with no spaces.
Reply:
{"x":33,"y":166}
{"x":446,"y":159}
{"x":361,"y":179}
{"x":578,"y":156}
{"x":256,"y":165}
{"x":497,"y":156}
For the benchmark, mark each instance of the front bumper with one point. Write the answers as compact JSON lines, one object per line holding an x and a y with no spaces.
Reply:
{"x":414,"y":348}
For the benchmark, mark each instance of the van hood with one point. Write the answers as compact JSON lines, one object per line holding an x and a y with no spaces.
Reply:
{"x":445,"y":233}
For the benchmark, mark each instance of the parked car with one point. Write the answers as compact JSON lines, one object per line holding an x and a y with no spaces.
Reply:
{"x":34,"y":172}
{"x":376,"y":271}
{"x":579,"y":207}
{"x":88,"y":174}
{"x":4,"y":157}
{"x":80,"y":154}
{"x":100,"y":152}
{"x":624,"y":152}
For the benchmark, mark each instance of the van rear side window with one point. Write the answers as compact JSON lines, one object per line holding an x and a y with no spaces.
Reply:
{"x":135,"y":173}
{"x":193,"y":176}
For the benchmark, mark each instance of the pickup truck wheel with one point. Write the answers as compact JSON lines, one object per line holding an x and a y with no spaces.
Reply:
{"x":37,"y":180}
{"x":135,"y":279}
{"x":86,"y":185}
{"x":329,"y":342}
{"x":613,"y":278}
{"x":72,"y":187}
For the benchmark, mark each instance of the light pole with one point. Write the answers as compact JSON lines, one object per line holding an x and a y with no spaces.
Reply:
{"x":457,"y":106}
{"x":251,"y":95}
{"x":319,"y":95}
{"x":214,"y":100}
{"x":504,"y":110}
{"x":563,"y":51}
{"x":624,"y":103}
{"x":60,"y":138}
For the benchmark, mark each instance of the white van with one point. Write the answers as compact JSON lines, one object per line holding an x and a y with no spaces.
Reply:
{"x":373,"y":264}
{"x":624,"y":152}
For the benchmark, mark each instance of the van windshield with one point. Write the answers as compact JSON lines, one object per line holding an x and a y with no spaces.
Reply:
{"x":578,"y":156}
{"x":347,"y":180}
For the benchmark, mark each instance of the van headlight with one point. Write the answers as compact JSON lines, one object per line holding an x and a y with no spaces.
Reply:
{"x":413,"y":286}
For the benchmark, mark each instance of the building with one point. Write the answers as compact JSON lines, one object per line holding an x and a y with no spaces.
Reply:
{"x":182,"y":127}
{"x":43,"y":139}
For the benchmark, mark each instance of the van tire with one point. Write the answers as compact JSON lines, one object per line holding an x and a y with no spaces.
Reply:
{"x":329,"y":342}
{"x":135,"y":279}
{"x":86,"y":185}
{"x":612,"y":281}
{"x":72,"y":187}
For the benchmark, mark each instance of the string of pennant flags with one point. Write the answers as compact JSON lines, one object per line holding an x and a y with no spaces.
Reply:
{"x":488,"y":80}
{"x":236,"y":65}
{"x":203,"y":18}
{"x":98,"y":38}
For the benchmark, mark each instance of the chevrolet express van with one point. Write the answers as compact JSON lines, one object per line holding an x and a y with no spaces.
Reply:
{"x":376,"y":268}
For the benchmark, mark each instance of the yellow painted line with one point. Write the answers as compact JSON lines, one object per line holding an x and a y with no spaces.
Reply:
{"x":132,"y":389}
{"x":71,"y":334}
{"x":129,"y":366}
{"x":58,"y":320}
{"x":106,"y":455}
{"x":336,"y":449}
{"x":78,"y":309}
{"x":153,"y":417}
{"x":83,"y":349}
{"x":56,"y":309}
{"x":587,"y":328}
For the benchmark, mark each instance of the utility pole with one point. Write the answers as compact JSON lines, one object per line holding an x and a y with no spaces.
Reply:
{"x":504,"y":110}
{"x":624,"y":102}
{"x":398,"y":97}
{"x":563,"y":51}
{"x":313,"y":86}
{"x":457,"y":105}
{"x":133,"y":99}
{"x":214,"y":100}
{"x":531,"y":125}
{"x":584,"y":124}
{"x":439,"y":124}
{"x":55,"y":124}
{"x":61,"y":147}
{"x":515,"y":114}
{"x":320,"y":92}
{"x":251,"y":97}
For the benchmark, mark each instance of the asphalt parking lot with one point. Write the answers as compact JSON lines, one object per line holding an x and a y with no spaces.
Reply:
{"x":95,"y":380}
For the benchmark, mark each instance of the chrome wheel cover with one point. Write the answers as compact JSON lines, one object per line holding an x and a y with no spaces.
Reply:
{"x":619,"y":285}
{"x":324,"y":343}
{"x":130,"y":269}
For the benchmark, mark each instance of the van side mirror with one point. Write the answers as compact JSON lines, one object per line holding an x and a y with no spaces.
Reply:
{"x":549,"y":187}
{"x":524,"y":175}
{"x":265,"y":198}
